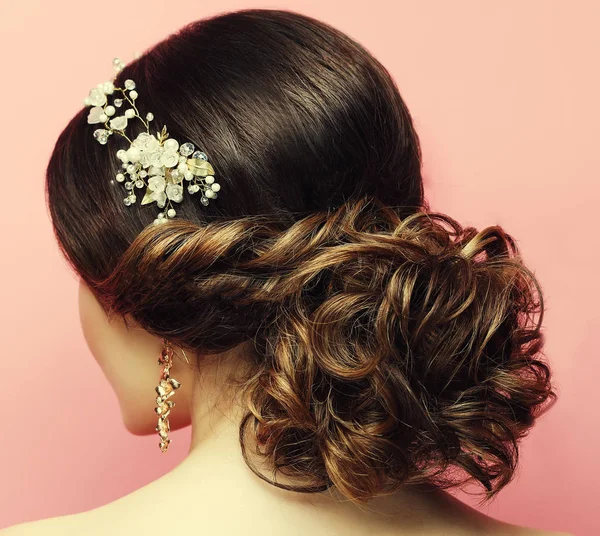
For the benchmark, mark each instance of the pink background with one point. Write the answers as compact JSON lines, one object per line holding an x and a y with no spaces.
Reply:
{"x":505,"y":98}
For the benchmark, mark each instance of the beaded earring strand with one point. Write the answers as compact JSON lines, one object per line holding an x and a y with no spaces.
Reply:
{"x":165,"y":389}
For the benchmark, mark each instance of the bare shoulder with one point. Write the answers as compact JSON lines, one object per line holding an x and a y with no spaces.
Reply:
{"x":507,"y":529}
{"x":73,"y":525}
{"x":97,"y":522}
{"x":470,"y":521}
{"x":67,"y":525}
{"x":536,"y":532}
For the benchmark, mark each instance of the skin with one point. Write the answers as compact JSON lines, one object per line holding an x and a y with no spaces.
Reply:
{"x":212,"y":490}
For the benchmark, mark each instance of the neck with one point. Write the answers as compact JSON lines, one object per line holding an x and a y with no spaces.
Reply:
{"x":215,"y":459}
{"x":215,"y":408}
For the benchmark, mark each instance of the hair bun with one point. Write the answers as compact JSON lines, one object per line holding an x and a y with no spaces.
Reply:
{"x":401,"y":348}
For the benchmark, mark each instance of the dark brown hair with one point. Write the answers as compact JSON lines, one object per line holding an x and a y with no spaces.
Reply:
{"x":390,"y":345}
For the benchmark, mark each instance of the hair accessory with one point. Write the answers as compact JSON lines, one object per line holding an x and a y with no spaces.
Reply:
{"x":157,"y":163}
{"x":165,"y":389}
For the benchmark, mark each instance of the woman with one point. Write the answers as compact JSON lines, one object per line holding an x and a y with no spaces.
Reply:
{"x":244,"y":206}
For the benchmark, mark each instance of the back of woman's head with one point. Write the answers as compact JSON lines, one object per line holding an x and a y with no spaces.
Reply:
{"x":389,"y":344}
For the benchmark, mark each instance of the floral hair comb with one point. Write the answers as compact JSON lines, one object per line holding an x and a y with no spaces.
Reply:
{"x":157,"y":163}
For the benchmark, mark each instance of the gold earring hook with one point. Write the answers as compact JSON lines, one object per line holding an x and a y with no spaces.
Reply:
{"x":183,"y":351}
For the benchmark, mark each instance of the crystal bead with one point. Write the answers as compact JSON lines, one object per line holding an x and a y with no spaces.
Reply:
{"x":149,"y":116}
{"x":139,"y":183}
{"x":129,"y":185}
{"x":101,"y":135}
{"x":200,"y":155}
{"x":118,"y":102}
{"x":204,"y":200}
{"x":127,"y":201}
{"x":186,"y":149}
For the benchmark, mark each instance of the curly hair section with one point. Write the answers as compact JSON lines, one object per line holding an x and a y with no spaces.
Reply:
{"x":387,"y":351}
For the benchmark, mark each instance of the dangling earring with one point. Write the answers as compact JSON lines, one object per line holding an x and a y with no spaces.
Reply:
{"x":165,"y":389}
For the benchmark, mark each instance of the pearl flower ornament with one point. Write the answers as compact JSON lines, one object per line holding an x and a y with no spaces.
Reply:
{"x":157,"y":163}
